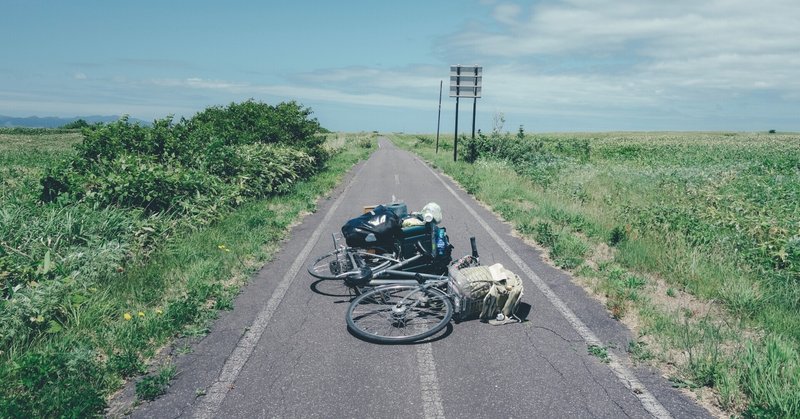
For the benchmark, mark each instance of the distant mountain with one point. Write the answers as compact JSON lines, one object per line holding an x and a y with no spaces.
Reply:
{"x":55,"y":122}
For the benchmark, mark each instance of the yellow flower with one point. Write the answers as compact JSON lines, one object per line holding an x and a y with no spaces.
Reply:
{"x":141,"y":314}
{"x":159,"y":311}
{"x":127,"y":316}
{"x":222,"y":246}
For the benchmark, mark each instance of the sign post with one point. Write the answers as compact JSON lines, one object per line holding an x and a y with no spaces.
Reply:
{"x":465,"y":81}
{"x":439,"y":118}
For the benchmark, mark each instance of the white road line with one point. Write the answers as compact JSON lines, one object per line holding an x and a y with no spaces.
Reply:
{"x":624,"y":375}
{"x":211,"y":402}
{"x":429,"y":385}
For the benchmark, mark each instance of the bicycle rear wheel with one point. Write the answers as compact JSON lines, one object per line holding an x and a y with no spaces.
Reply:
{"x":399,"y":313}
{"x":346,"y":261}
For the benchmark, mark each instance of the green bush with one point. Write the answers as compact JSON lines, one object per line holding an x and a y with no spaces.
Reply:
{"x":243,"y":150}
{"x":365,"y":142}
{"x":538,"y":159}
{"x":423,"y":140}
{"x":251,"y":122}
{"x":76,"y":124}
{"x":617,"y":236}
{"x":266,"y":169}
{"x":98,"y":214}
{"x":568,"y":251}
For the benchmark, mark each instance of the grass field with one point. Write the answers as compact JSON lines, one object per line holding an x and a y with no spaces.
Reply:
{"x":693,"y":239}
{"x":106,"y":286}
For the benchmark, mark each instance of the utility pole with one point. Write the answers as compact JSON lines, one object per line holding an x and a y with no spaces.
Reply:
{"x":439,"y":118}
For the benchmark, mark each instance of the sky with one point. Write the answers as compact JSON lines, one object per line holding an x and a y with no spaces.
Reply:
{"x":573,"y":65}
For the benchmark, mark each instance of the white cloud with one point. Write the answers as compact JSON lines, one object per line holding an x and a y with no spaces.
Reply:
{"x":400,"y":81}
{"x":594,"y":56}
{"x":507,"y":13}
{"x":642,"y":27}
{"x":299,"y":92}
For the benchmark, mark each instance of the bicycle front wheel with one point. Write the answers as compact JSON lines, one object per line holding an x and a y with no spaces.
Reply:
{"x":399,"y":313}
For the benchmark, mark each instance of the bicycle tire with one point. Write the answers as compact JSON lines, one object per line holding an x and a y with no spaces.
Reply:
{"x":337,"y":264}
{"x":399,"y":313}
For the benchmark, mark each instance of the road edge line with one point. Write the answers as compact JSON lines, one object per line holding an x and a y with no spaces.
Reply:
{"x":215,"y":396}
{"x":623,"y":374}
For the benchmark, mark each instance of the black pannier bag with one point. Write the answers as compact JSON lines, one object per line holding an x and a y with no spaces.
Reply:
{"x":375,"y":229}
{"x":434,"y":241}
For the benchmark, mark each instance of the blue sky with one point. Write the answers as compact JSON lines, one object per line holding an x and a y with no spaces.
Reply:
{"x":574,"y":65}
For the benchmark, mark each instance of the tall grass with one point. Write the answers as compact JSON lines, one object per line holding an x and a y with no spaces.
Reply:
{"x":714,"y":216}
{"x":110,"y":285}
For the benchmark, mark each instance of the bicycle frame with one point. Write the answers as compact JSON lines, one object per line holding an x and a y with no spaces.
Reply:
{"x":392,"y":275}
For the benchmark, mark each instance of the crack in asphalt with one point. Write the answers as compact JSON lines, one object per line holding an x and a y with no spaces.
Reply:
{"x":557,"y":334}
{"x":281,"y":376}
{"x":564,"y":379}
{"x":605,"y":391}
{"x":540,"y":355}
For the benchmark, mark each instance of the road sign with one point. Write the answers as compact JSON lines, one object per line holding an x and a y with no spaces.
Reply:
{"x":465,"y":91}
{"x":465,"y":81}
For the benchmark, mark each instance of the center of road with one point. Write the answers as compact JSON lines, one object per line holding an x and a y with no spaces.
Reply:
{"x":428,"y":383}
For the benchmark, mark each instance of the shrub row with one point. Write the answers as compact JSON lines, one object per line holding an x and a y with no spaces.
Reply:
{"x":534,"y":158}
{"x":246,"y":149}
{"x":129,"y":187}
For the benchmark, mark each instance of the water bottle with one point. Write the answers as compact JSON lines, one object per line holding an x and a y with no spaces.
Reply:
{"x":440,"y":242}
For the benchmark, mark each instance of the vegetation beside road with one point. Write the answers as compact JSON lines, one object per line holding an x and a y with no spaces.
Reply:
{"x":692,"y":238}
{"x":110,"y":248}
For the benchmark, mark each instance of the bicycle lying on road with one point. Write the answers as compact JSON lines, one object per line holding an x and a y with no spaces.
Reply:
{"x":407,"y":288}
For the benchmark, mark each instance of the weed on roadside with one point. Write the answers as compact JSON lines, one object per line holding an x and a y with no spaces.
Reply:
{"x":601,"y":352}
{"x":639,"y":351}
{"x":154,"y":385}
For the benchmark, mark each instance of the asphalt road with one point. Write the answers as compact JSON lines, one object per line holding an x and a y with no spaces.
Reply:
{"x":285,"y":350}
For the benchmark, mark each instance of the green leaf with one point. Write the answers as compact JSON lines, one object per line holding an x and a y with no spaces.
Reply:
{"x":54,"y":327}
{"x":77,"y":299}
{"x":47,"y":265}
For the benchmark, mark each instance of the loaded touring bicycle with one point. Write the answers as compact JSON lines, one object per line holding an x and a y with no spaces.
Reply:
{"x":407,"y":287}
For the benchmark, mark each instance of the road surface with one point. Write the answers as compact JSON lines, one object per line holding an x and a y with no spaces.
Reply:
{"x":285,"y":350}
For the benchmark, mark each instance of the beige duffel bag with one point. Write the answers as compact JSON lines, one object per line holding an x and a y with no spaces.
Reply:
{"x":487,"y":291}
